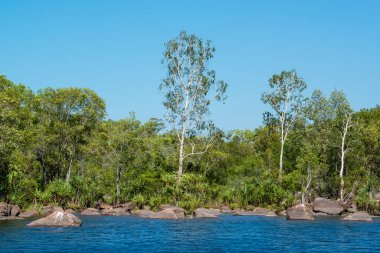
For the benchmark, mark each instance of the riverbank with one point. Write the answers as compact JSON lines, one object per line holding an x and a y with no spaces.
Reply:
{"x":319,"y":207}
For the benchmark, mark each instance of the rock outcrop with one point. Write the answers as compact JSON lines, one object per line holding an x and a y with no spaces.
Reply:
{"x":15,"y":210}
{"x":4,"y":211}
{"x":28,"y":214}
{"x":57,"y":219}
{"x":205,"y":213}
{"x":167,"y":214}
{"x":90,"y":212}
{"x":299,"y":212}
{"x":119,"y":211}
{"x":258,"y":211}
{"x":143,"y":213}
{"x":9,"y":209}
{"x":271,"y":214}
{"x":327,"y":206}
{"x":358,"y":216}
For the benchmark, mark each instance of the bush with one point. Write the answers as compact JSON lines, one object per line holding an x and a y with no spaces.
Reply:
{"x":58,"y":191}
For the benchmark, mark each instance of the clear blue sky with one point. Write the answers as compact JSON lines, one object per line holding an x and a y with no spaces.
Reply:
{"x":115,"y":48}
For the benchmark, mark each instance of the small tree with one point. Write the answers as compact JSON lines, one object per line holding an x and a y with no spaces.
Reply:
{"x":187,"y":91}
{"x":286,"y":99}
{"x":343,"y":115}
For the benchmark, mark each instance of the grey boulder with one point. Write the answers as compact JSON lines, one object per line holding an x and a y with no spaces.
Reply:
{"x":57,"y":219}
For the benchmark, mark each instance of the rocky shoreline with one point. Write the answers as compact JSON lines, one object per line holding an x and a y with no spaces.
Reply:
{"x":56,"y":216}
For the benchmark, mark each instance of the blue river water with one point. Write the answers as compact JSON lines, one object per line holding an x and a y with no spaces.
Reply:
{"x":224,"y":234}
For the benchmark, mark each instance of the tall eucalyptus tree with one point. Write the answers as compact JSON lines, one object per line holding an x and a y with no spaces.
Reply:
{"x":187,"y":89}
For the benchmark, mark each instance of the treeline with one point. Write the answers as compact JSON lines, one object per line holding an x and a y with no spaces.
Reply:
{"x":57,"y":147}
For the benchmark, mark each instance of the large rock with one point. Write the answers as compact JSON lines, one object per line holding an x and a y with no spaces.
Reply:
{"x":260,"y":211}
{"x":352,"y":209}
{"x":358,"y":216}
{"x":205,"y":213}
{"x":57,"y":219}
{"x":271,"y":214}
{"x":282,"y":213}
{"x":8,"y":209}
{"x":299,"y":212}
{"x":15,"y":210}
{"x":28,"y":214}
{"x":168,"y":214}
{"x":119,"y":211}
{"x":143,"y":213}
{"x":327,"y":206}
{"x":179,"y":211}
{"x":90,"y":212}
{"x":4,"y":209}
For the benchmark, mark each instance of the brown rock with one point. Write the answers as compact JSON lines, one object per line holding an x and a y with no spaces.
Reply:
{"x":260,"y":211}
{"x":70,"y":211}
{"x":352,"y":209}
{"x":57,"y":219}
{"x":327,"y":206}
{"x":282,"y":213}
{"x":15,"y":210}
{"x":299,"y":212}
{"x":28,"y":214}
{"x":4,"y":209}
{"x":143,"y":213}
{"x":90,"y":212}
{"x":116,"y":212}
{"x":205,"y":213}
{"x":271,"y":214}
{"x":358,"y":216}
{"x":179,"y":211}
{"x":168,"y":214}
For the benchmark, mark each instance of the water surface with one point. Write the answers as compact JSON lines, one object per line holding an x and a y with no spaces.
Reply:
{"x":225,"y":234}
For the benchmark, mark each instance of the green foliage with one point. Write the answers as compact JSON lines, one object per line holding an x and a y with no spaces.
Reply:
{"x":58,"y":192}
{"x":45,"y":136}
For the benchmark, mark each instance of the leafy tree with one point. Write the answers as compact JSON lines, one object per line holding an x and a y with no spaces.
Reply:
{"x":286,"y":99}
{"x":67,"y":118}
{"x":187,"y":91}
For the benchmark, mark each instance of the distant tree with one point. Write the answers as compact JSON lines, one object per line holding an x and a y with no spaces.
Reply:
{"x":332,"y":118}
{"x":67,"y":118}
{"x":187,"y":91}
{"x":286,"y":99}
{"x":343,"y":115}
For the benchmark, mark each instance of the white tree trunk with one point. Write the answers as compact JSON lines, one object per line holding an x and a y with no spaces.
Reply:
{"x":118,"y":185}
{"x":68,"y":175}
{"x":182,"y":138}
{"x":343,"y":151}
